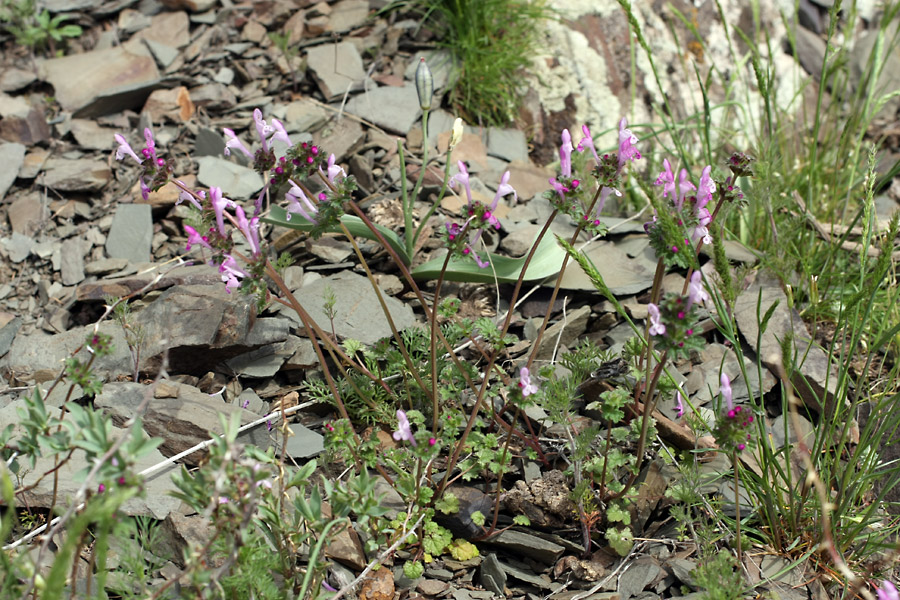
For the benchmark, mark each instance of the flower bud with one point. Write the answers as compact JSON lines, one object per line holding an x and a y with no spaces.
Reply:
{"x":457,"y":133}
{"x":424,"y":84}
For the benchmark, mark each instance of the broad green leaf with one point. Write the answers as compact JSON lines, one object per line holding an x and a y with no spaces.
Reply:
{"x":354,"y":224}
{"x":546,"y":263}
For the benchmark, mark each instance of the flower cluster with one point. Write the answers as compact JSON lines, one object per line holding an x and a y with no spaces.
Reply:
{"x":673,"y":323}
{"x":155,"y":170}
{"x":462,"y":239}
{"x":734,"y":421}
{"x":570,"y":197}
{"x":887,"y":591}
{"x":525,"y":384}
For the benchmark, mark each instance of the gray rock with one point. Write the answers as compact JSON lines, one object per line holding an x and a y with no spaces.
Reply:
{"x":336,"y":68}
{"x":164,"y":54}
{"x":224,"y":76}
{"x":237,"y":182}
{"x":347,"y":15}
{"x":394,"y":109}
{"x":180,"y":414}
{"x":72,"y":265}
{"x":527,"y":544}
{"x":262,"y":362}
{"x":471,"y":500}
{"x":303,"y":355}
{"x":12,"y":79}
{"x":27,"y":213}
{"x":251,"y":401}
{"x":623,"y":275}
{"x":95,"y":83}
{"x":304,"y":443}
{"x":131,"y":233}
{"x":492,"y":576}
{"x":12,"y":157}
{"x":810,"y":51}
{"x":340,"y":138}
{"x":889,"y":76}
{"x":357,"y":311}
{"x":180,"y":532}
{"x":90,"y":135}
{"x":564,"y":332}
{"x":810,"y":17}
{"x":637,"y":577}
{"x":681,"y":569}
{"x":527,"y":576}
{"x":8,"y":334}
{"x":17,"y":246}
{"x":105,"y":266}
{"x":75,"y":175}
{"x":304,"y":115}
{"x":213,"y":96}
{"x":508,"y":144}
{"x":331,"y":249}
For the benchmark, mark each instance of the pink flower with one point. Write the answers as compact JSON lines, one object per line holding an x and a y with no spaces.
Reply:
{"x":462,"y":178}
{"x":306,"y":209}
{"x":656,"y":325}
{"x":219,"y":204}
{"x":250,"y":229}
{"x":404,"y":431}
{"x":234,"y":143}
{"x":333,"y":170}
{"x":888,"y":591}
{"x":125,"y":148}
{"x":679,"y":405}
{"x":195,"y":238}
{"x":565,"y":154}
{"x":150,"y":150}
{"x":231,"y":273}
{"x":684,"y":188}
{"x":725,"y":390}
{"x":706,"y":189}
{"x":588,"y":142}
{"x":627,"y":149}
{"x":190,"y":197}
{"x":528,"y":388}
{"x":667,"y":180}
{"x":504,"y":189}
{"x":263,"y":129}
{"x":696,"y":293}
{"x":280,"y":133}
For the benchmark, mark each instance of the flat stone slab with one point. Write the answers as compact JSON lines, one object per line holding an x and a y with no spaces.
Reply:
{"x":125,"y":78}
{"x":394,"y":109}
{"x":131,"y":233}
{"x":12,"y":157}
{"x":336,"y":68}
{"x":625,"y":276}
{"x":358,"y":314}
{"x":237,"y":182}
{"x":76,"y":175}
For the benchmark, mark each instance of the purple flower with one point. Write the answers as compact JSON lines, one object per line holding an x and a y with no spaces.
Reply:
{"x":462,"y":178}
{"x":195,"y":238}
{"x":125,"y":148}
{"x":404,"y":432}
{"x":656,"y":326}
{"x":525,"y":384}
{"x":234,"y":142}
{"x":888,"y":591}
{"x":588,"y":142}
{"x":706,"y":189}
{"x":333,"y":170}
{"x":565,"y":154}
{"x":300,"y":204}
{"x":150,"y":151}
{"x":250,"y":229}
{"x":684,"y":188}
{"x":231,"y":273}
{"x":280,"y":133}
{"x":504,"y":189}
{"x":679,"y":405}
{"x":605,"y":193}
{"x":219,"y":204}
{"x":263,"y":129}
{"x":667,"y":180}
{"x":190,"y":197}
{"x":725,"y":390}
{"x":627,"y":149}
{"x":696,"y":293}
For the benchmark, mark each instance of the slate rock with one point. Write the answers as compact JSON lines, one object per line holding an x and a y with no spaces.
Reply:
{"x":131,"y":233}
{"x":76,"y":175}
{"x":357,"y":311}
{"x":347,"y":15}
{"x":624,"y":276}
{"x":72,"y":266}
{"x":29,"y":128}
{"x":636,"y":578}
{"x":260,"y":363}
{"x":168,"y":28}
{"x":345,"y":547}
{"x":237,"y":182}
{"x":27,"y":214}
{"x":304,"y":115}
{"x":105,"y":266}
{"x":180,"y":414}
{"x":90,"y":135}
{"x":810,"y":51}
{"x":179,"y":532}
{"x":13,"y":79}
{"x":8,"y":334}
{"x":492,"y":576}
{"x":99,"y":82}
{"x":340,"y":137}
{"x":123,"y":286}
{"x":336,"y":68}
{"x":17,"y":246}
{"x":213,"y":96}
{"x":471,"y":500}
{"x":12,"y":157}
{"x":195,"y":6}
{"x":528,"y":545}
{"x":508,"y":144}
{"x":394,"y":109}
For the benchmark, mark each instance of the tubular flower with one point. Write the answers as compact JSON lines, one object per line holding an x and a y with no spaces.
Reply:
{"x":656,"y":325}
{"x":725,"y":390}
{"x":300,"y":204}
{"x":231,"y":273}
{"x":404,"y":431}
{"x":588,"y":142}
{"x":125,"y":148}
{"x":332,"y":170}
{"x":504,"y":189}
{"x":462,"y":178}
{"x":528,"y":388}
{"x":679,"y":405}
{"x":263,"y":129}
{"x":887,"y":591}
{"x":627,"y":149}
{"x":219,"y":204}
{"x":185,"y":196}
{"x":195,"y":238}
{"x":250,"y":229}
{"x":667,"y":180}
{"x":565,"y":154}
{"x":234,"y":143}
{"x":696,"y":293}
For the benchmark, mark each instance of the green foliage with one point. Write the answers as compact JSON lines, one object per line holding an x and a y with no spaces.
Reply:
{"x":35,"y":30}
{"x":413,"y":569}
{"x":620,"y":540}
{"x":719,"y":577}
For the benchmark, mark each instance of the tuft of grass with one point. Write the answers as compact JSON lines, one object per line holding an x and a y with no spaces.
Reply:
{"x":491,"y":42}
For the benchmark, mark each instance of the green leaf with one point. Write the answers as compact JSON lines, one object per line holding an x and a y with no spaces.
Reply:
{"x":448,"y":504}
{"x":477,"y":518}
{"x":522,"y":520}
{"x":546,"y":262}
{"x":463,"y":550}
{"x":278,"y":216}
{"x":413,"y":569}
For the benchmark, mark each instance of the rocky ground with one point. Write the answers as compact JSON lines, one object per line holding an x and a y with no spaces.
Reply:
{"x":74,"y":230}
